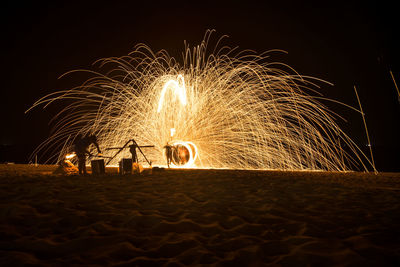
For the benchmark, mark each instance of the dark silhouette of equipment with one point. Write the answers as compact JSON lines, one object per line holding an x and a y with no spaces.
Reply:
{"x":132,"y":149}
{"x":98,"y":166}
{"x":125,"y":166}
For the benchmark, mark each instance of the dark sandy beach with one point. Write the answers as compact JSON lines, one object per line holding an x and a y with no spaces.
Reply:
{"x":198,"y":217}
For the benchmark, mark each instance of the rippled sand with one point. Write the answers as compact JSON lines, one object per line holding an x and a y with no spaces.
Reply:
{"x":195,"y":217}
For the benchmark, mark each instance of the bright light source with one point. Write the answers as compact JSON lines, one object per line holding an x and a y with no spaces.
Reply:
{"x":70,"y":156}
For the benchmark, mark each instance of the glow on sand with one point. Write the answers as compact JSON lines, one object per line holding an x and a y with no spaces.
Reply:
{"x":228,"y":109}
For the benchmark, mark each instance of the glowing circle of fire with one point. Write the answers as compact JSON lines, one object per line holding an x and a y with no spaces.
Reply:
{"x":231,"y":109}
{"x":184,"y":154}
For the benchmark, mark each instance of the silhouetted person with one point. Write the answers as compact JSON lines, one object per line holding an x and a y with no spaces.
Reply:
{"x":81,"y":145}
{"x":168,"y":153}
{"x":132,"y":149}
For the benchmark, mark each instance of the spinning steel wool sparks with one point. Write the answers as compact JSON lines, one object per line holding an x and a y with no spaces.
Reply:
{"x":219,"y":109}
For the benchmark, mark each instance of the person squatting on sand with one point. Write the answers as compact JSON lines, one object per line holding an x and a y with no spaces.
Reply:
{"x":81,"y":145}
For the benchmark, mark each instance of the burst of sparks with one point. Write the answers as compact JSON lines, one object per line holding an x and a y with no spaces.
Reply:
{"x":233,"y":109}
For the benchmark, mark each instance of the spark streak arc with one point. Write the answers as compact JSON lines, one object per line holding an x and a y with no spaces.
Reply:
{"x":179,"y":90}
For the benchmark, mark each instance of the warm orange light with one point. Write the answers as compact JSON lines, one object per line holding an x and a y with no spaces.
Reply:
{"x":190,"y":148}
{"x":70,"y":156}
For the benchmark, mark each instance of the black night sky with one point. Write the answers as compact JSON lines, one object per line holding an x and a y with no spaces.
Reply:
{"x":344,"y":43}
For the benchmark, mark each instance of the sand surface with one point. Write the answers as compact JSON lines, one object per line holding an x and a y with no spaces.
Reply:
{"x":196,"y":217}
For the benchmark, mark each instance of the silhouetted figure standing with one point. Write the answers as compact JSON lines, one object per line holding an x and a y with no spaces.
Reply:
{"x":81,"y":145}
{"x":132,"y":149}
{"x":168,"y":153}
